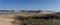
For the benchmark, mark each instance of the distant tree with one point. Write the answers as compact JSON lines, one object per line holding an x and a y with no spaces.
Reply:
{"x":4,"y":10}
{"x":12,"y":11}
{"x":37,"y":11}
{"x":23,"y":11}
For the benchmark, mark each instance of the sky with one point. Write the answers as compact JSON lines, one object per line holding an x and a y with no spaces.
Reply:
{"x":51,"y":5}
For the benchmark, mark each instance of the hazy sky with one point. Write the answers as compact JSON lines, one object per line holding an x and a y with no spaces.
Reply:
{"x":53,"y":5}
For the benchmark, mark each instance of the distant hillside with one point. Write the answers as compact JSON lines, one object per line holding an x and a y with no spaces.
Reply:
{"x":22,"y":11}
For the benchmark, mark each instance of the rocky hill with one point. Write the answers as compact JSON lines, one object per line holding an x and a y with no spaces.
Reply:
{"x":9,"y":18}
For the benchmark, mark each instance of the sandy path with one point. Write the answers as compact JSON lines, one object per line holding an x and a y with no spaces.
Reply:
{"x":5,"y":21}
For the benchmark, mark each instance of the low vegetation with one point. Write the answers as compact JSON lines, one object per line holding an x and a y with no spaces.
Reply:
{"x":37,"y":20}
